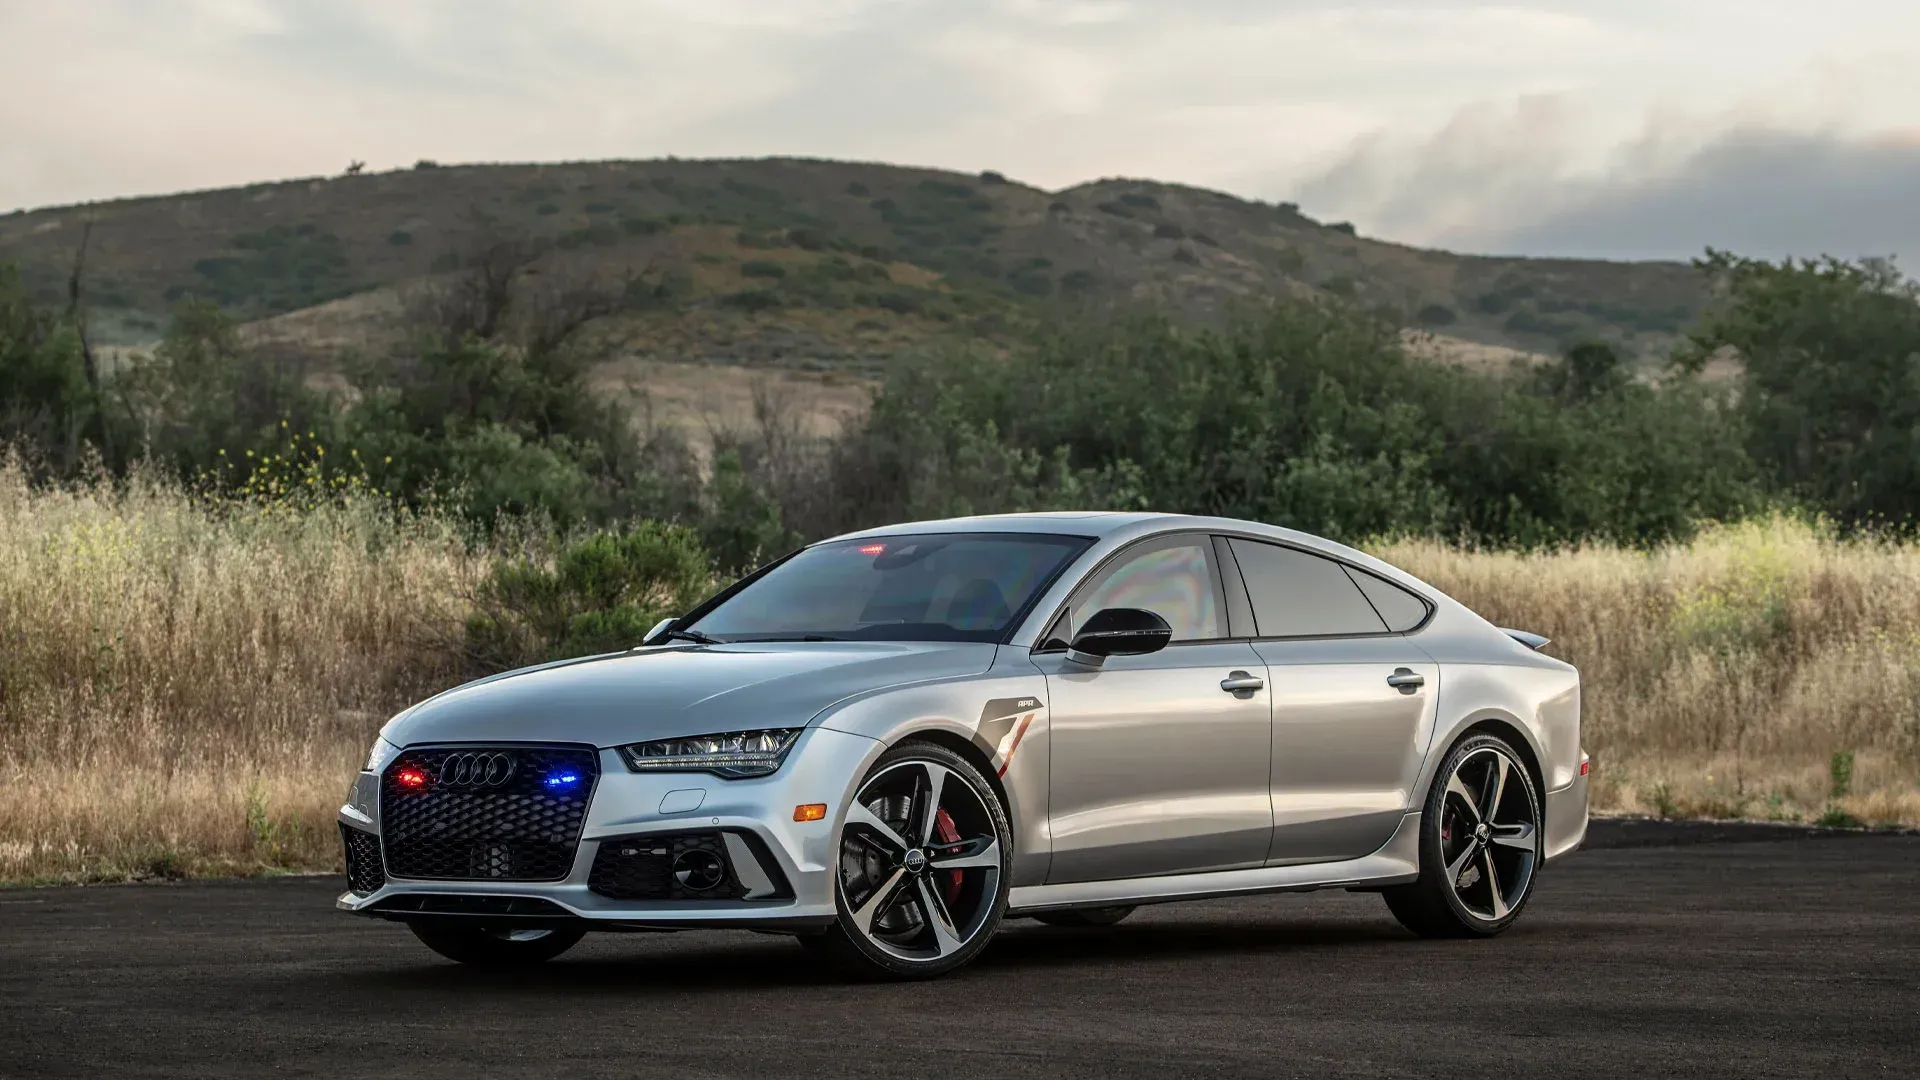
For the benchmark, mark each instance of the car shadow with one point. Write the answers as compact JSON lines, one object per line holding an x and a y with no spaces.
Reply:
{"x":776,"y":962}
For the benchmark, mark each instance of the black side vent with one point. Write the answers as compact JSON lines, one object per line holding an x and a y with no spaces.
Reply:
{"x":365,"y":873}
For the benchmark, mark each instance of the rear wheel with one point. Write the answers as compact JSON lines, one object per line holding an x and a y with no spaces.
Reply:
{"x":1099,"y":916}
{"x":921,"y":880}
{"x":1480,"y":843}
{"x":494,"y":946}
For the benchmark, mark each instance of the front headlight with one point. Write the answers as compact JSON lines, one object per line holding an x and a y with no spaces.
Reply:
{"x":732,"y":754}
{"x":381,"y":755}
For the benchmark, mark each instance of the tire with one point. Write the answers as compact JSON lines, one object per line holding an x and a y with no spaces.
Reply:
{"x":920,"y":883}
{"x":494,"y":946}
{"x":1082,"y":917}
{"x":1479,"y":856}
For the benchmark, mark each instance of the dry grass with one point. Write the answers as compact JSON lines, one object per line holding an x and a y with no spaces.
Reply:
{"x":186,"y":688}
{"x":1721,"y":678}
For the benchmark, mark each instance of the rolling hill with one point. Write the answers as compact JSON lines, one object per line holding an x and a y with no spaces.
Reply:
{"x":803,"y":264}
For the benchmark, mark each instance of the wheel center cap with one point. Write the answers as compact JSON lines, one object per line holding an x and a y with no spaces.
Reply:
{"x":1482,"y":832}
{"x":915,"y":861}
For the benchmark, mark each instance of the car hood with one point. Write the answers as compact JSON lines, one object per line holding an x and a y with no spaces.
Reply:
{"x":673,"y":690}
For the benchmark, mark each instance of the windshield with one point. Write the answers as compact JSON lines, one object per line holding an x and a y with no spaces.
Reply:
{"x":933,"y":587}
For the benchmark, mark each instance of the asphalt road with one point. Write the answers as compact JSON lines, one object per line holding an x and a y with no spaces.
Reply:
{"x":1788,"y":957}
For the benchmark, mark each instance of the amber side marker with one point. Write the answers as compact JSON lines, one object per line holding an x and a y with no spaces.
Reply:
{"x":813,"y":811}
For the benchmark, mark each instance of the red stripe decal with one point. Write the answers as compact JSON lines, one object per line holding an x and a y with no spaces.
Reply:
{"x":1019,"y":732}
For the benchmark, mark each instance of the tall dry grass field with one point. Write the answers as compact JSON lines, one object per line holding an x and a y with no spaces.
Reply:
{"x":187,"y":687}
{"x":1765,"y":670}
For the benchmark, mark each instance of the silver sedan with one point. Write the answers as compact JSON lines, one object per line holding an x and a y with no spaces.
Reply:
{"x":888,"y":743}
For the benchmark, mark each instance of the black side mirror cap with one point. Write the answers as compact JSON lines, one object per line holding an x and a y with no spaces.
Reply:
{"x":1119,"y":632}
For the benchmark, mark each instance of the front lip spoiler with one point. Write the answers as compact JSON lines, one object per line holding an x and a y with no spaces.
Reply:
{"x":400,"y":901}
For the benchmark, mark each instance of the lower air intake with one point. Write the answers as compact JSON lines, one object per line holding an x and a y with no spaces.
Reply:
{"x":673,"y":866}
{"x":365,"y":872}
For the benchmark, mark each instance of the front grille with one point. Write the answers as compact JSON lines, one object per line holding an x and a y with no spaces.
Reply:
{"x":485,"y":813}
{"x":365,"y":873}
{"x":673,"y":866}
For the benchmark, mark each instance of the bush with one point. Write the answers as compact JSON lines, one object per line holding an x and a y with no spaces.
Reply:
{"x":598,"y":594}
{"x":400,"y":238}
{"x":761,"y":268}
{"x":992,"y":177}
{"x":1141,"y":200}
{"x":1436,"y":315}
{"x":1169,"y":231}
{"x":756,"y":300}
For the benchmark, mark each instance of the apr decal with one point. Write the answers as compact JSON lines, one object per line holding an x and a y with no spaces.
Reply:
{"x":1003,"y":723}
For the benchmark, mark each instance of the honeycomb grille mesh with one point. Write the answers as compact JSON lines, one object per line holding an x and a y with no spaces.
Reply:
{"x":490,"y":823}
{"x":365,"y":873}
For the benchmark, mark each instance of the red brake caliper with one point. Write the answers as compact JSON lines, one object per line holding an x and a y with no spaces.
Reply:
{"x":944,"y":829}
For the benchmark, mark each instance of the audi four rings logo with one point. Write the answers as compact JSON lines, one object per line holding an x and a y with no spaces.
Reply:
{"x":476,"y":770}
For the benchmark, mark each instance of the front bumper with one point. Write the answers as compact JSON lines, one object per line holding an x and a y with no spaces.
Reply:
{"x":755,"y":815}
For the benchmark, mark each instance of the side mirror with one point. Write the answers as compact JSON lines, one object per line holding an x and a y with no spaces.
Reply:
{"x":658,"y":629}
{"x":1118,"y":632}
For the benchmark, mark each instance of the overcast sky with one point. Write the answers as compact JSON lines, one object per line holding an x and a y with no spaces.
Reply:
{"x":1630,"y":128}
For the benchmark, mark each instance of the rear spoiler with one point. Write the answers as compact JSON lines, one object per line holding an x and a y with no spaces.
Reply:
{"x":1531,"y":641}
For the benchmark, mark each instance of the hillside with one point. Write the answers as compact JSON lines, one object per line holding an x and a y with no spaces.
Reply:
{"x":801,"y":263}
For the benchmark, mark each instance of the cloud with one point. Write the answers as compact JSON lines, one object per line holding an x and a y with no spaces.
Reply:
{"x":1521,"y":180}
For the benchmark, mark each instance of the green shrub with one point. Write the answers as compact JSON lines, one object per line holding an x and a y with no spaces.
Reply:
{"x":761,"y":268}
{"x":400,"y":238}
{"x":755,"y":300}
{"x":1436,"y":315}
{"x":1141,"y":200}
{"x":546,"y":209}
{"x":1169,"y":231}
{"x":598,"y":594}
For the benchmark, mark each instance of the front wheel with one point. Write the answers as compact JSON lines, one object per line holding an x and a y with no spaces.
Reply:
{"x":1480,"y":843}
{"x":493,"y":946}
{"x":925,"y":854}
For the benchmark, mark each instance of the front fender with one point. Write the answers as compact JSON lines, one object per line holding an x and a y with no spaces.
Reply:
{"x":1001,"y":714}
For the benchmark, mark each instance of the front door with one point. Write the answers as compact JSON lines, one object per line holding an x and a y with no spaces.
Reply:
{"x":1157,"y":769}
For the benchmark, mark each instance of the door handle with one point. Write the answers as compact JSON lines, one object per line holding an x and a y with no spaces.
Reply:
{"x":1406,"y":680}
{"x":1240,"y":682}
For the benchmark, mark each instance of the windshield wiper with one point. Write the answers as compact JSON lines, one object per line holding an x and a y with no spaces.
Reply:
{"x":694,"y":636}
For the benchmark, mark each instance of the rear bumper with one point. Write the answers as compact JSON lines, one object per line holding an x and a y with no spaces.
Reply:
{"x":790,"y":863}
{"x":1566,"y":812}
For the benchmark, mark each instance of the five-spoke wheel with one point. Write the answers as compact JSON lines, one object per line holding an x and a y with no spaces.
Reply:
{"x":1479,"y":845}
{"x":923,"y":865}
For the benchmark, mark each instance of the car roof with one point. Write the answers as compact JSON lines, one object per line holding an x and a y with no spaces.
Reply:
{"x":1088,"y":523}
{"x":1114,"y":528}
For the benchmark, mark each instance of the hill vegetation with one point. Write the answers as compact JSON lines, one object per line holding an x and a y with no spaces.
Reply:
{"x":815,"y":263}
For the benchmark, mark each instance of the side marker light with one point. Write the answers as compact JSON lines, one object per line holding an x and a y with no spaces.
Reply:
{"x":810,"y":812}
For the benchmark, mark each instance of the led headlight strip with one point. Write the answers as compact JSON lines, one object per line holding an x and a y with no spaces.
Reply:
{"x":732,"y":754}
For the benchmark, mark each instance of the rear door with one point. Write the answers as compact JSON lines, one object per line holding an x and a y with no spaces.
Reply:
{"x":1353,"y":698}
{"x":1157,"y":768}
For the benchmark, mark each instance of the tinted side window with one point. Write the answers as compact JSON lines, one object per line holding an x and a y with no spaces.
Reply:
{"x":1174,"y":581}
{"x":1402,"y":610}
{"x":1300,"y":595}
